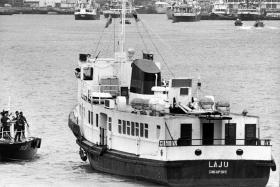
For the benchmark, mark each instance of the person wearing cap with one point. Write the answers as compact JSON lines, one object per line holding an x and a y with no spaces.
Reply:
{"x":6,"y":126}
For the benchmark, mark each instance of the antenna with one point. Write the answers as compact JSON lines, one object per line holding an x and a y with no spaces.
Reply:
{"x":123,"y":27}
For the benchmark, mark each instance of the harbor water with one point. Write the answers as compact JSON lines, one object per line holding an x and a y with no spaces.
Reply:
{"x":38,"y":55}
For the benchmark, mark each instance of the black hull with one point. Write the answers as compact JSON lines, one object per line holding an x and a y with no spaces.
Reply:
{"x":86,"y":17}
{"x":185,"y":18}
{"x":243,"y":173}
{"x":19,"y":150}
{"x":249,"y":17}
{"x":187,"y":173}
{"x":221,"y":17}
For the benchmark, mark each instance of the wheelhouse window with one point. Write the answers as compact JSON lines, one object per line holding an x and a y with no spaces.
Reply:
{"x":124,"y":127}
{"x":110,"y":123}
{"x":137,"y":129}
{"x":141,"y":129}
{"x":88,"y":73}
{"x":146,"y":130}
{"x":184,"y":91}
{"x":120,"y":126}
{"x":128,"y":128}
{"x":132,"y":128}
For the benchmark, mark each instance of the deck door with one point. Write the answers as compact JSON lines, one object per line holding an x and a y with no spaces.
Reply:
{"x":186,"y":134}
{"x":208,"y":134}
{"x":230,"y":133}
{"x":250,"y":134}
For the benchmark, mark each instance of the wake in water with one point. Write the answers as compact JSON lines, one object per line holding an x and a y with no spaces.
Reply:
{"x":252,"y":27}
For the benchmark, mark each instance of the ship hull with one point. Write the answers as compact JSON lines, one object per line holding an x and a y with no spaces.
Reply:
{"x":245,"y":173}
{"x":241,"y":173}
{"x":86,"y":17}
{"x":186,"y":18}
{"x":214,"y":16}
{"x":19,"y":150}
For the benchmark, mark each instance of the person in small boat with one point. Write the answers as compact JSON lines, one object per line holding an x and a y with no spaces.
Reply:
{"x":6,"y":125}
{"x":22,"y":122}
{"x":17,"y":127}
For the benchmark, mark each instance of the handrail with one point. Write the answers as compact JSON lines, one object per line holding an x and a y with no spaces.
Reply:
{"x":211,"y":142}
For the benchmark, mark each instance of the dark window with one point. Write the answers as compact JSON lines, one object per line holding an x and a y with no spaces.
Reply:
{"x":96,"y":120}
{"x":184,"y":91}
{"x":120,"y":126}
{"x":110,"y":123}
{"x":88,"y":73}
{"x":146,"y":130}
{"x":137,"y":129}
{"x":141,"y":129}
{"x":230,"y":133}
{"x":250,"y":134}
{"x":132,"y":129}
{"x":186,"y":135}
{"x":181,"y":83}
{"x":124,"y":127}
{"x":89,"y":117}
{"x":128,"y":128}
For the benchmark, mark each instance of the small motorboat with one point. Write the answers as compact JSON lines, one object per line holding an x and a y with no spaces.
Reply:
{"x":16,"y":144}
{"x":258,"y":23}
{"x":238,"y":22}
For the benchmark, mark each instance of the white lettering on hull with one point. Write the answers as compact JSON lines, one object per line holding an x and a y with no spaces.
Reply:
{"x":218,"y":167}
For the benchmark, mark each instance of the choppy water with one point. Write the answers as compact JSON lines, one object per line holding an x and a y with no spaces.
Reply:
{"x":39,"y":52}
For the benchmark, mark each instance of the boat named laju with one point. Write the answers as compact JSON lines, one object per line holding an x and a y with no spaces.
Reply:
{"x":16,"y":143}
{"x":87,"y":10}
{"x":130,"y":122}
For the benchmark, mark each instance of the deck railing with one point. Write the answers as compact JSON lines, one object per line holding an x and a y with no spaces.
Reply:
{"x":11,"y":133}
{"x":216,"y":142}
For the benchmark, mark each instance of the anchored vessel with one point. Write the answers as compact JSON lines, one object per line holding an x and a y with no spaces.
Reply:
{"x":87,"y":10}
{"x":129,"y":122}
{"x":187,"y":12}
{"x":221,"y":11}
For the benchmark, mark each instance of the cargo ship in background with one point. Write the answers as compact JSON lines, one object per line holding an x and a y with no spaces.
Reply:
{"x":130,"y":121}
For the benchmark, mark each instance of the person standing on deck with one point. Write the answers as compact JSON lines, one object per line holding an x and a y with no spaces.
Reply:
{"x":17,"y":127}
{"x":22,"y":122}
{"x":6,"y":126}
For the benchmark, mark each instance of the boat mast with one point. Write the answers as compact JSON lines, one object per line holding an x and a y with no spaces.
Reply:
{"x":123,"y":27}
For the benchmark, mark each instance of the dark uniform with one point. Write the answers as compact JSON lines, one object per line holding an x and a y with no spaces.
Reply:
{"x":17,"y":128}
{"x":22,"y":121}
{"x":6,"y":126}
